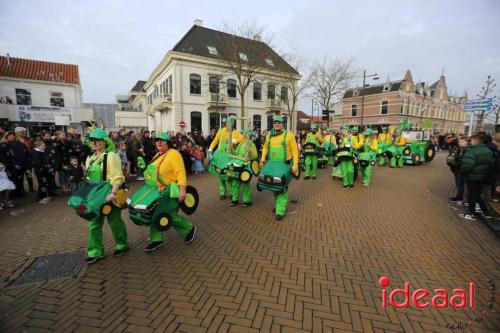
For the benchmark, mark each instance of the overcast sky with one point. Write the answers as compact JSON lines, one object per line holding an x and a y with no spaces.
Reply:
{"x":116,"y":43}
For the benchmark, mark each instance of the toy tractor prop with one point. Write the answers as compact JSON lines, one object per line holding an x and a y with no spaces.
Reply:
{"x":89,"y":201}
{"x":219,"y":163}
{"x":242,"y":170}
{"x":344,"y":154}
{"x":276,"y":176}
{"x":326,"y":157}
{"x":367,"y":158}
{"x":151,"y":207}
{"x":418,"y":151}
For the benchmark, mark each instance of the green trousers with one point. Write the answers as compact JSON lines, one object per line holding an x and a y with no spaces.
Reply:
{"x":382,"y":160}
{"x":95,"y":247}
{"x":330,"y":159}
{"x":235,"y":186}
{"x":222,"y":181}
{"x":367,"y":175}
{"x":281,"y":201}
{"x":311,"y":165}
{"x":398,"y":162}
{"x":347,"y":168}
{"x":182,"y":225}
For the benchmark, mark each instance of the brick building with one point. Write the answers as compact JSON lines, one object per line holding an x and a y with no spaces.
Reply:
{"x":391,"y":102}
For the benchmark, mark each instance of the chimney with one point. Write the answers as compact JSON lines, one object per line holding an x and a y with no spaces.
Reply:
{"x":198,"y":22}
{"x":8,"y":59}
{"x":257,"y":38}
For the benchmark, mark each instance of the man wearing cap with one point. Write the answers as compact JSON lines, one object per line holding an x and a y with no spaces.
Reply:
{"x":357,"y":139}
{"x":313,"y":137}
{"x":103,"y":149}
{"x":329,"y":143}
{"x":281,"y":146}
{"x":384,"y":139}
{"x":226,"y":139}
{"x":370,"y":147}
{"x":166,"y":168}
{"x":247,"y":151}
{"x":399,"y":141}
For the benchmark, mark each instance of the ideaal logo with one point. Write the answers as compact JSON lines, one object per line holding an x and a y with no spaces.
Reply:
{"x":423,"y":298}
{"x":458,"y":300}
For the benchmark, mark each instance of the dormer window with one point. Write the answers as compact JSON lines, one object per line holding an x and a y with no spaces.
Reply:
{"x":386,"y":87}
{"x":269,"y":62}
{"x":355,"y":93}
{"x":212,"y":50}
{"x":243,"y":56}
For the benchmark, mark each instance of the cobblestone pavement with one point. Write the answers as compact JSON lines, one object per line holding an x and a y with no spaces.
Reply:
{"x":317,"y":270}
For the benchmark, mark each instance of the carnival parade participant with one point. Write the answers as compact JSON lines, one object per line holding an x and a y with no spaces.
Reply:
{"x":356,"y":139}
{"x":329,"y":143}
{"x":311,"y":149}
{"x":344,"y":154}
{"x":226,"y":139}
{"x":245,"y":152}
{"x":384,"y":139}
{"x":370,"y":147}
{"x":399,"y":141}
{"x":167,"y":168}
{"x":103,"y":149}
{"x":281,"y":146}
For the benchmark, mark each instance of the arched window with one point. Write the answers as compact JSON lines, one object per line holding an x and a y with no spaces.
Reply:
{"x":195,"y":121}
{"x":195,"y":84}
{"x":213,"y":84}
{"x":271,"y":91}
{"x":214,"y":120}
{"x":284,"y":93}
{"x":269,"y":122}
{"x":257,"y":91}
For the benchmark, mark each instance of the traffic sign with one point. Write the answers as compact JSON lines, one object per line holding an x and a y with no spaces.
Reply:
{"x":481,"y":105}
{"x":182,"y":124}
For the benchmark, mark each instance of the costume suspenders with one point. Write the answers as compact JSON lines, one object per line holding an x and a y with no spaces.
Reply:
{"x":268,"y":139}
{"x":160,"y":184}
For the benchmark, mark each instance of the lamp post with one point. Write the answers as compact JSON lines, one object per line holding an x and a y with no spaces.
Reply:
{"x":375,"y":77}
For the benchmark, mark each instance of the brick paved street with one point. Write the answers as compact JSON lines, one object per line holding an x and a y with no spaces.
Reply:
{"x":317,"y":270}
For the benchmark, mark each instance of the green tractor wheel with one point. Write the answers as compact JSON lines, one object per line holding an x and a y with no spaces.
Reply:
{"x":416,"y":159}
{"x":106,"y":209}
{"x":407,"y":151}
{"x":245,"y":176}
{"x":163,"y":222}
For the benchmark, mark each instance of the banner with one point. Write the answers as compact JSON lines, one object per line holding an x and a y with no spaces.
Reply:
{"x":28,"y":113}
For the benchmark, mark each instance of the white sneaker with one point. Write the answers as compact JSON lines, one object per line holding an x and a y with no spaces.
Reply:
{"x":133,"y":174}
{"x":44,"y":201}
{"x":467,"y":216}
{"x":140,"y":178}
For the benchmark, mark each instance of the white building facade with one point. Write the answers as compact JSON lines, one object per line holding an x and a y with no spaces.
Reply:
{"x":41,"y":94}
{"x":190,"y":91}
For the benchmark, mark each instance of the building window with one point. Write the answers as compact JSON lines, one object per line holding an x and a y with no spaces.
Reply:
{"x":214,"y":120}
{"x":223,"y":119}
{"x":23,"y":97}
{"x":354,"y":110}
{"x":231,"y":88}
{"x":269,"y":62}
{"x":384,"y":107}
{"x":243,"y":57}
{"x":195,"y":84}
{"x":257,"y":91}
{"x":386,"y":87}
{"x":355,"y":93}
{"x":212,"y":50}
{"x":213,"y":84}
{"x":56,"y":99}
{"x":257,"y":122}
{"x":269,"y":122}
{"x":169,"y":86}
{"x":195,"y":121}
{"x":271,"y":91}
{"x":284,"y":93}
{"x":150,"y":99}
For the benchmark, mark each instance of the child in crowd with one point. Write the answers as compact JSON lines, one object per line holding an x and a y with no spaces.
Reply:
{"x":42,"y":170}
{"x":454,"y":161}
{"x":75,"y":174}
{"x":5,"y":187}
{"x":199,"y":157}
{"x":120,"y":151}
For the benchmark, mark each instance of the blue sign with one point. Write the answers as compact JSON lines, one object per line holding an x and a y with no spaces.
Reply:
{"x":480,"y":105}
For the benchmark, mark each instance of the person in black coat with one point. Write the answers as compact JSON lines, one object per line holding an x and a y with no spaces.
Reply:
{"x":43,"y":171}
{"x":54,"y":159}
{"x":16,"y":158}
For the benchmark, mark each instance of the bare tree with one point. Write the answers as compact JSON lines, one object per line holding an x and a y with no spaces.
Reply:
{"x":294,"y":87}
{"x":486,"y":90}
{"x":329,"y":80}
{"x":240,"y":56}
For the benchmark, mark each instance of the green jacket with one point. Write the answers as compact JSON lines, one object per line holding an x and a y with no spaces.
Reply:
{"x":477,"y":163}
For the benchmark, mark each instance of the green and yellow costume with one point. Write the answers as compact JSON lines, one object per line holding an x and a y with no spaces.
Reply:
{"x":384,"y":140}
{"x":399,"y":142}
{"x":246,"y":152}
{"x":367,"y":156}
{"x":311,"y":150}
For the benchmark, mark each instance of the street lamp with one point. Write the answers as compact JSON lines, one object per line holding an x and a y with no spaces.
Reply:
{"x":375,"y":77}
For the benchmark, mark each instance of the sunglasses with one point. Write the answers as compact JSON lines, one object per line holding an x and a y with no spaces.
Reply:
{"x":95,"y":140}
{"x":277,"y":122}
